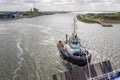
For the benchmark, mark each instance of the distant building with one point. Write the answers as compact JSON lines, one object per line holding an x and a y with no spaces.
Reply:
{"x":7,"y":15}
{"x":31,"y":10}
{"x":35,"y":10}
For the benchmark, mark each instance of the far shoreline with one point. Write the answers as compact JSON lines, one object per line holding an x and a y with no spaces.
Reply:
{"x":29,"y":14}
{"x":105,"y":19}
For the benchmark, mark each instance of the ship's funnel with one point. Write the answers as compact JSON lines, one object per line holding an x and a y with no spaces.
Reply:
{"x":66,"y":37}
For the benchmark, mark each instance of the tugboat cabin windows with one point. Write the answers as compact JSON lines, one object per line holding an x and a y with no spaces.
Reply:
{"x":75,"y":43}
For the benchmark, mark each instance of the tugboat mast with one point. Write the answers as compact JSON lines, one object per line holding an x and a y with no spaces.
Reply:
{"x":74,"y":25}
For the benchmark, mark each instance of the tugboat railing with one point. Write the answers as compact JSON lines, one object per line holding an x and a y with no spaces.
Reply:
{"x":106,"y":75}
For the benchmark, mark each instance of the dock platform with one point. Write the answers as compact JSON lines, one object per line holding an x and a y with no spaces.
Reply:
{"x":104,"y":24}
{"x":84,"y":73}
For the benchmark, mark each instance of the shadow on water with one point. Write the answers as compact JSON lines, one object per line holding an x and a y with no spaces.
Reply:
{"x":68,"y":65}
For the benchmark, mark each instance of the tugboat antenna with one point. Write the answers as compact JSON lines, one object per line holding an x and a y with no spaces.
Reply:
{"x":74,"y":25}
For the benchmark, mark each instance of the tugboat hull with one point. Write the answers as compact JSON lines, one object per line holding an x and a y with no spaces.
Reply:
{"x":80,"y":61}
{"x":72,"y":51}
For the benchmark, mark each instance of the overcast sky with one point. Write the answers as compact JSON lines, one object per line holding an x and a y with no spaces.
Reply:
{"x":61,"y":5}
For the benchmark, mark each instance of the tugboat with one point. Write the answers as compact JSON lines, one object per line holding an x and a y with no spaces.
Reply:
{"x":72,"y":51}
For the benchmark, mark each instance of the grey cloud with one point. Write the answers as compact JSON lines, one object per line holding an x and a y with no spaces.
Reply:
{"x":9,"y":2}
{"x":78,"y":5}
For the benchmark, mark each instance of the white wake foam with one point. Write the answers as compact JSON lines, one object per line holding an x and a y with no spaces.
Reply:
{"x":20,"y":58}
